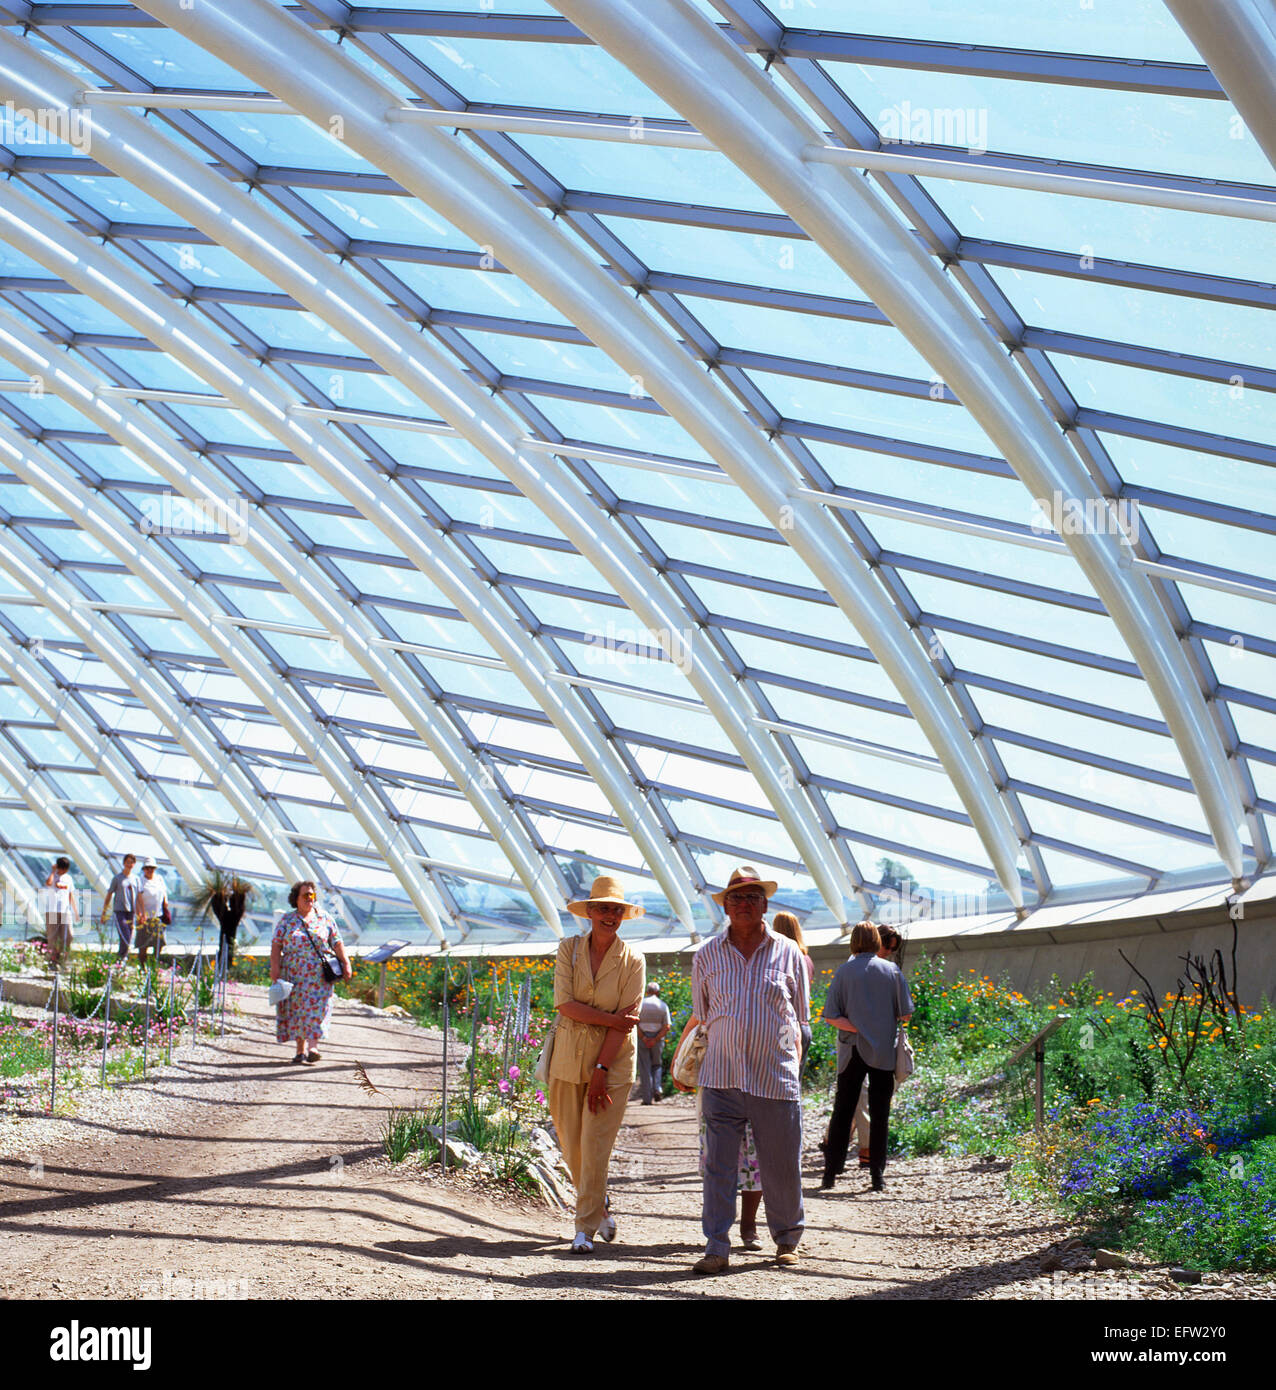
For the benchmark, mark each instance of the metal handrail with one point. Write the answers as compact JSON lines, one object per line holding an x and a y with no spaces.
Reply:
{"x":1037,"y":1046}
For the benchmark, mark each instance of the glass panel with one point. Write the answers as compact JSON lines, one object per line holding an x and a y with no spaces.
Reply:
{"x":1108,"y":231}
{"x":1136,"y":28}
{"x":383,"y":217}
{"x":1210,"y":477}
{"x":1113,"y":838}
{"x":1212,"y":542}
{"x":1167,"y":399}
{"x":535,"y":74}
{"x":1053,"y":121}
{"x":1105,"y":789}
{"x":1075,"y":304}
{"x":483,"y":291}
{"x":636,"y":170}
{"x":745,"y":258}
{"x":874,"y":412}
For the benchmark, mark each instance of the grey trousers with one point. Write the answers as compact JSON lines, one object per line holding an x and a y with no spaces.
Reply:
{"x":650,"y":1065}
{"x":777,"y":1136}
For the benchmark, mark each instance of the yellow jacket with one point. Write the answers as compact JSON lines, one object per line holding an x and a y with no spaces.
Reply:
{"x":618,"y":989}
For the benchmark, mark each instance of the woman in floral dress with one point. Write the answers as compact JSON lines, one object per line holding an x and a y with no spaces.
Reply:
{"x":300,"y":936}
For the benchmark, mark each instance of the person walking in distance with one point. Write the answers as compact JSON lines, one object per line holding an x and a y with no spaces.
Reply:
{"x":152,"y":908}
{"x":749,"y":988}
{"x":123,"y":892}
{"x":866,"y":1003}
{"x":61,"y":911}
{"x":653,"y":1026}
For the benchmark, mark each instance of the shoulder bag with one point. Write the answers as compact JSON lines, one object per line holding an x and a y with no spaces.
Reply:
{"x":328,"y":960}
{"x":905,"y":1065}
{"x":547,"y":1051}
{"x":690,"y":1053}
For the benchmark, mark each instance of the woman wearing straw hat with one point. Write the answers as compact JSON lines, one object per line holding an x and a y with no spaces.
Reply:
{"x":598,"y":989}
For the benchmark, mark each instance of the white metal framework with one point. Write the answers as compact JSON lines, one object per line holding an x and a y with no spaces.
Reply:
{"x":606,"y":440}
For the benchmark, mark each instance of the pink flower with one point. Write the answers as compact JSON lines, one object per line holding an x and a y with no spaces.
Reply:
{"x":503,"y":1087}
{"x":540,"y":1097}
{"x":515,"y":1073}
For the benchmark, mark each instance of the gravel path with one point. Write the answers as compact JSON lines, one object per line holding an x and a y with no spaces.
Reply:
{"x":238,"y":1174}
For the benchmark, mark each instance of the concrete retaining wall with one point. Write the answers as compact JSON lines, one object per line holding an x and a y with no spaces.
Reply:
{"x":1154,"y":944}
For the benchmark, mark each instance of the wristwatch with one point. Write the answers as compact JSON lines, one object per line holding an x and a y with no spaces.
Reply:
{"x":598,"y":1066}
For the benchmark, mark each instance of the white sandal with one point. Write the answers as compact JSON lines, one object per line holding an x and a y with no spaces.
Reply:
{"x":582,"y":1245}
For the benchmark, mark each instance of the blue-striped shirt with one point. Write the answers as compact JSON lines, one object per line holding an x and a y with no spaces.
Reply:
{"x":754,"y":1010}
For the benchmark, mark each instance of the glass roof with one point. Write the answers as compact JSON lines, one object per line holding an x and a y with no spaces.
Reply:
{"x":336,"y":547}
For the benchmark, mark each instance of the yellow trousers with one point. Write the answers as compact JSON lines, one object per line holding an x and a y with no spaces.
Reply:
{"x":586,"y":1141}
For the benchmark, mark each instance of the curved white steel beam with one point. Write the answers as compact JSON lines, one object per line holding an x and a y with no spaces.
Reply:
{"x":73,"y":257}
{"x":57,"y":483}
{"x":1237,"y":38}
{"x":134,"y":150}
{"x":689,"y":64}
{"x":284,"y":57}
{"x":30,"y":784}
{"x":219,"y":764}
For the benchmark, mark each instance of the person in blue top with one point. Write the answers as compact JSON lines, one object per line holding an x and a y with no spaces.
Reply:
{"x":866,"y":1003}
{"x":123,"y":890}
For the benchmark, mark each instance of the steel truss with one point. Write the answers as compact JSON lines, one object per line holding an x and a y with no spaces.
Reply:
{"x":186,"y":727}
{"x":435,"y":169}
{"x":132,"y":149}
{"x":346,"y":472}
{"x":732,"y":103}
{"x":58,"y":484}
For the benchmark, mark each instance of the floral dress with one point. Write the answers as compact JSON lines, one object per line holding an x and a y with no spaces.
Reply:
{"x":307,"y":1010}
{"x":748,"y":1176}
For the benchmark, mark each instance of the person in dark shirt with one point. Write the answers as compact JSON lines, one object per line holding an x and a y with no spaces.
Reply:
{"x":229,"y":908}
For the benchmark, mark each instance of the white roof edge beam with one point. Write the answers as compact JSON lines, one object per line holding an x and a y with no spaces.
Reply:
{"x":1237,"y":38}
{"x":187,"y":728}
{"x":29,"y":783}
{"x":264,"y":400}
{"x":55,"y":482}
{"x":70,"y":716}
{"x":283,"y":56}
{"x":135,"y":150}
{"x":749,"y":120}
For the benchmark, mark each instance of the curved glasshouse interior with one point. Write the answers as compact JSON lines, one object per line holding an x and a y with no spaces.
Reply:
{"x":453,"y":450}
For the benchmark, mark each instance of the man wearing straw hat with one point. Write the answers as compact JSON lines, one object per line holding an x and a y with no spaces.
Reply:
{"x":749,"y":988}
{"x":598,"y":988}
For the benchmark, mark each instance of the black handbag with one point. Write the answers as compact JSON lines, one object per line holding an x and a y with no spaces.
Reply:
{"x":330,"y":964}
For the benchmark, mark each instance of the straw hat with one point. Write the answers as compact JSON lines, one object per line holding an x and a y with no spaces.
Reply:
{"x":744,"y":877}
{"x":606,"y":890}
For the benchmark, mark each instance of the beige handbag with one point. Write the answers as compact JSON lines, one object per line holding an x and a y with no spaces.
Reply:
{"x":686,"y":1061}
